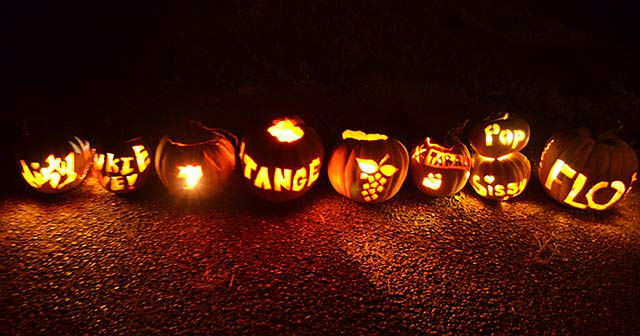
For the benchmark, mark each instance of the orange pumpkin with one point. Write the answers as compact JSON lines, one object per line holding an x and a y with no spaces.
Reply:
{"x":440,"y":170}
{"x":502,"y":178}
{"x":281,"y":162}
{"x":56,"y":165}
{"x":199,"y":165}
{"x":368,"y":168}
{"x":122,"y":167}
{"x":586,"y":173}
{"x":499,"y":135}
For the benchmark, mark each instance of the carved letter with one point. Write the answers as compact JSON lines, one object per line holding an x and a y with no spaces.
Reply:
{"x":299,"y":179}
{"x":112,"y":164}
{"x":262,"y":179}
{"x":314,"y":171}
{"x":131,"y":180}
{"x":117,"y":183}
{"x":126,"y":166}
{"x":617,"y":185}
{"x":475,"y":181}
{"x":249,"y":166}
{"x":281,"y":180}
{"x":142,"y":157}
{"x":577,"y":186}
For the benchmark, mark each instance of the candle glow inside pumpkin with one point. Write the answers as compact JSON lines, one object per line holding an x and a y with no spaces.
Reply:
{"x":286,"y":131}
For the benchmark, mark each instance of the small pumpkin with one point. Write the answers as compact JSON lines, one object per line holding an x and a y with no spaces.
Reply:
{"x":281,"y":162}
{"x":440,"y":170}
{"x":122,"y":167}
{"x":499,"y":135}
{"x":586,"y":173}
{"x":197,"y":165}
{"x":502,"y":178}
{"x":55,"y":165}
{"x":368,"y":168}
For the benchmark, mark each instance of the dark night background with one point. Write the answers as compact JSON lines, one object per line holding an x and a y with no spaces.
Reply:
{"x":76,"y":64}
{"x":407,"y":69}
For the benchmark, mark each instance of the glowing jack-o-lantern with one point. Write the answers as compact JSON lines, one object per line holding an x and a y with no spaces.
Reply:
{"x":502,"y":178}
{"x":586,"y":173}
{"x":55,"y":170}
{"x":122,"y":167}
{"x":200,"y":165}
{"x":368,"y":168}
{"x":281,"y":162}
{"x":439,"y":170}
{"x":499,"y":135}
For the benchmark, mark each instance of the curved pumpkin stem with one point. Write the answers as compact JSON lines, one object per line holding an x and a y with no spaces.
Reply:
{"x":612,"y":131}
{"x":497,"y":115}
{"x":218,"y":131}
{"x":455,"y":132}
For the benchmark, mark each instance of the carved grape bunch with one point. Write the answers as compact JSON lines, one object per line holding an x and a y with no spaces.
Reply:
{"x":375,"y":175}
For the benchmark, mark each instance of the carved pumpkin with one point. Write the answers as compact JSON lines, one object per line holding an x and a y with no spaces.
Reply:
{"x":122,"y":167}
{"x":368,"y":168}
{"x":61,"y":166}
{"x":200,"y":165}
{"x":502,"y":178}
{"x":583,"y":172}
{"x":439,"y":170}
{"x":499,"y":135}
{"x":281,"y":162}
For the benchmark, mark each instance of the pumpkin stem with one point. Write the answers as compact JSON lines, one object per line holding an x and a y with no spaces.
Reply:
{"x":612,"y":131}
{"x":497,"y":116}
{"x":218,"y":131}
{"x":455,"y":132}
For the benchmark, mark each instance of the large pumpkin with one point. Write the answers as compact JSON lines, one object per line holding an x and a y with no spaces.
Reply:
{"x":583,"y":172}
{"x":199,"y":165}
{"x":55,"y":165}
{"x":440,"y":170}
{"x":281,"y":162}
{"x":502,"y":178}
{"x":499,"y":135}
{"x":368,"y":168}
{"x":122,"y":167}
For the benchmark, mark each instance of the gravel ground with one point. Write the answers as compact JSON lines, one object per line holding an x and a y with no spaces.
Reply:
{"x":89,"y":262}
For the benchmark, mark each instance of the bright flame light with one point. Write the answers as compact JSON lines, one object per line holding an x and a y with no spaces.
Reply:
{"x":286,"y":131}
{"x":191,"y":175}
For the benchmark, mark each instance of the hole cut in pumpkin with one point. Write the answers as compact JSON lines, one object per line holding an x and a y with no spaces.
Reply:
{"x":360,"y":135}
{"x":286,"y":131}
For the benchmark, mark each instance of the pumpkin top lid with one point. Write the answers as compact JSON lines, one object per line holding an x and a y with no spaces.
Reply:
{"x":360,"y":135}
{"x":286,"y":131}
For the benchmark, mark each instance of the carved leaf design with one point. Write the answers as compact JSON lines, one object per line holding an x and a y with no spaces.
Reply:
{"x":367,"y":166}
{"x":388,"y":170}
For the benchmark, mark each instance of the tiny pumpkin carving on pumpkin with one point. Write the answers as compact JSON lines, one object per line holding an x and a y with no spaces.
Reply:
{"x":586,"y":173}
{"x":502,"y":178}
{"x":122,"y":167}
{"x":283,"y":161}
{"x":439,"y":170}
{"x":499,"y":135}
{"x":196,"y":167}
{"x":61,"y":166}
{"x":368,"y":168}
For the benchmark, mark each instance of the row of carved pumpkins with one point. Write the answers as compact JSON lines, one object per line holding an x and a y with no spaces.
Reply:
{"x":284,"y":161}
